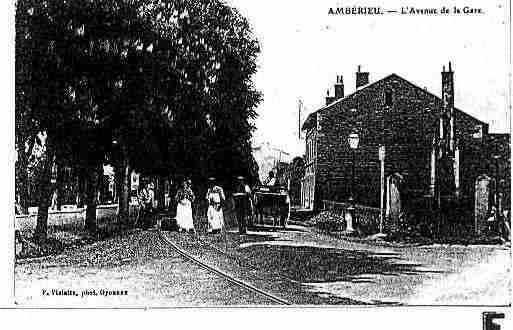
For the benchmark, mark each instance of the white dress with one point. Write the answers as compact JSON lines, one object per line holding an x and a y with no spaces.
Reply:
{"x":184,"y":214}
{"x":215,"y":211}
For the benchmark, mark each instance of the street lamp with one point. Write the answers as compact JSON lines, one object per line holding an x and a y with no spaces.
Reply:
{"x":353,"y":139}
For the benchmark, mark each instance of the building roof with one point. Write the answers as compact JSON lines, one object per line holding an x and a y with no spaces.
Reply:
{"x":312,"y":118}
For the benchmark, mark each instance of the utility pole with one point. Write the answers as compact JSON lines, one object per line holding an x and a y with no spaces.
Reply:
{"x":300,"y":105}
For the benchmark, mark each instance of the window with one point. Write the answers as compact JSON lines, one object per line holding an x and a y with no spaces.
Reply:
{"x":389,"y":99}
{"x":478,"y":132}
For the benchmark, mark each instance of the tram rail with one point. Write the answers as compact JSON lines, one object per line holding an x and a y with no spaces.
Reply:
{"x":188,"y":256}
{"x":245,"y":261}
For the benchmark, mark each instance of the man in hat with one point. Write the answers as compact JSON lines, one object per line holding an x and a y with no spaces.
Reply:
{"x":242,"y":203}
{"x":146,"y":206}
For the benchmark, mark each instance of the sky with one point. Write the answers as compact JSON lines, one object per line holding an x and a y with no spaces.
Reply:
{"x":303,"y":49}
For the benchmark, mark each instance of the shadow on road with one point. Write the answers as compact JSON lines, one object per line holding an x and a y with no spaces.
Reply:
{"x":309,"y":264}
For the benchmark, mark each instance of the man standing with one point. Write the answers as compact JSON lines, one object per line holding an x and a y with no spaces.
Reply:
{"x":271,"y":180}
{"x":242,"y":203}
{"x":146,"y":204}
{"x":151,"y":195}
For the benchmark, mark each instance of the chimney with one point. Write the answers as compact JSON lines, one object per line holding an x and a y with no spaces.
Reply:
{"x":448,"y":108}
{"x":329,"y":99}
{"x":339,"y":88}
{"x":362,"y":78}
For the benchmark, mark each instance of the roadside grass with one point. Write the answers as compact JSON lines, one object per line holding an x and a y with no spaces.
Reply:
{"x":62,"y":238}
{"x":410,"y":232}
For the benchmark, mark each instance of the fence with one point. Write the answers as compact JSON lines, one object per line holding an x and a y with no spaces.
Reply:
{"x":367,"y":218}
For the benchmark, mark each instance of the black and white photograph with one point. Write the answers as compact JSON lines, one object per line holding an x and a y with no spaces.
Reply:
{"x":240,"y":154}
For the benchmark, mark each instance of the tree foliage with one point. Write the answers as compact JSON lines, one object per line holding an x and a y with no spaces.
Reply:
{"x":165,"y":84}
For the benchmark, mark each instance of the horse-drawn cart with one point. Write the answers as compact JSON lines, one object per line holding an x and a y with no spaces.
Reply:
{"x":273,"y":202}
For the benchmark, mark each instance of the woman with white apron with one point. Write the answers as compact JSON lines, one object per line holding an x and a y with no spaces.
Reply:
{"x":215,"y":198}
{"x":185,"y":197}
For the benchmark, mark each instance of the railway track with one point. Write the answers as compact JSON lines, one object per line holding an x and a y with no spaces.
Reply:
{"x":244,"y":261}
{"x":242,"y":284}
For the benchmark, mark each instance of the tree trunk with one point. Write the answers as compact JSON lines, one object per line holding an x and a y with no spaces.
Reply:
{"x":81,"y":185}
{"x":125,"y":192}
{"x":22,"y":186}
{"x":94,"y":176}
{"x":22,"y":176}
{"x":160,"y":192}
{"x":59,"y":184}
{"x":45,"y":195}
{"x":118,"y":181}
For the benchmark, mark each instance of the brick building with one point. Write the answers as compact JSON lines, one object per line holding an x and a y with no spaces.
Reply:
{"x":436,"y":148}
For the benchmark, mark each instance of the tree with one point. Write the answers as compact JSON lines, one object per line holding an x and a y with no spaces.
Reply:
{"x":208,"y":94}
{"x":54,"y":86}
{"x":296,"y":174}
{"x":25,"y":125}
{"x":163,"y":87}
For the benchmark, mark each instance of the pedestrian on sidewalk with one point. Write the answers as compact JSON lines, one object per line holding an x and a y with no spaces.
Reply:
{"x":185,"y":197}
{"x":215,"y":198}
{"x":504,"y":225}
{"x":242,"y":203}
{"x":54,"y":200}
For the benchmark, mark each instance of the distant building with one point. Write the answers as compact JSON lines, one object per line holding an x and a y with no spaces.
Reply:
{"x":436,"y":148}
{"x":268,"y":158}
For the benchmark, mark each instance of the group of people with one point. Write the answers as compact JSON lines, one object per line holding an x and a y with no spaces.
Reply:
{"x":215,"y":198}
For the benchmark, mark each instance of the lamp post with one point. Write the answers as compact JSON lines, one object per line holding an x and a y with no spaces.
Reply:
{"x":381,"y":156}
{"x":353,"y":139}
{"x":496,"y":195}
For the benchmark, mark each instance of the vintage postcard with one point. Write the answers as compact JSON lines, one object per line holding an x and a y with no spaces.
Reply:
{"x":210,"y":153}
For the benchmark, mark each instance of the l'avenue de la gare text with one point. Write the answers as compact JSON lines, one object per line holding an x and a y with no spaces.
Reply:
{"x":406,"y":10}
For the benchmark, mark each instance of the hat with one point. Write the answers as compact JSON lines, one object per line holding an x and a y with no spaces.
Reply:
{"x":240,"y":177}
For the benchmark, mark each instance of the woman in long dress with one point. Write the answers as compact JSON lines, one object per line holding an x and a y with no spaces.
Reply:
{"x":215,"y":198}
{"x":185,"y":198}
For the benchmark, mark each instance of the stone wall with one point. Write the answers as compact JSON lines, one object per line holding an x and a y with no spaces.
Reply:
{"x":69,"y":218}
